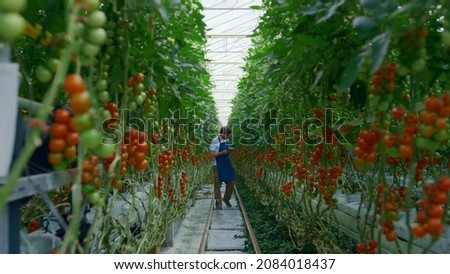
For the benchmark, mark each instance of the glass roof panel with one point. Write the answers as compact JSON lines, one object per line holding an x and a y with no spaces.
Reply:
{"x":228,"y":22}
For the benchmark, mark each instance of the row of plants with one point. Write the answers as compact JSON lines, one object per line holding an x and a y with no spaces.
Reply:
{"x":350,"y":97}
{"x":128,"y":87}
{"x":270,"y":227}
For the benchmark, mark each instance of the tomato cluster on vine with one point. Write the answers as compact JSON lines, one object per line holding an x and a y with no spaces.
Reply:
{"x":316,"y":156}
{"x":287,"y":188}
{"x":412,"y":51}
{"x":401,"y":143}
{"x":259,"y":173}
{"x":195,"y":160}
{"x":13,"y":24}
{"x":91,"y":172}
{"x":382,"y":86}
{"x":33,"y":225}
{"x":383,"y":80}
{"x":365,"y":149}
{"x":83,"y":122}
{"x":429,"y":218}
{"x":327,"y":181}
{"x":165,"y":162}
{"x":390,"y":200}
{"x":418,"y":175}
{"x":170,"y":190}
{"x":64,"y":139}
{"x":183,"y":180}
{"x":367,"y":248}
{"x":137,"y":150}
{"x":159,"y":186}
{"x":114,"y":113}
{"x":434,"y":121}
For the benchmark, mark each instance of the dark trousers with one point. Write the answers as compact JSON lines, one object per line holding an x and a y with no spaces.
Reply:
{"x":229,"y":186}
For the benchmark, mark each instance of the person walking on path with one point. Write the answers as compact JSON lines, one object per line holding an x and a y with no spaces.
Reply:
{"x":222,"y":168}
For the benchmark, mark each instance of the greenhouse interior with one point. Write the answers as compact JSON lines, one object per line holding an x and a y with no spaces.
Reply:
{"x":225,"y":127}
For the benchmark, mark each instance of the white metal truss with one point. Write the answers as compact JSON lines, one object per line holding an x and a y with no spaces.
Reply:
{"x":230,"y":24}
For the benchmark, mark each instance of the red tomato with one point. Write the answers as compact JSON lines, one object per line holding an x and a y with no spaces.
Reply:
{"x":74,"y":84}
{"x":61,"y":116}
{"x":59,"y":131}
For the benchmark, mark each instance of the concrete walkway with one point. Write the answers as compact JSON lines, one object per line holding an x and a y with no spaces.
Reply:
{"x":226,"y":234}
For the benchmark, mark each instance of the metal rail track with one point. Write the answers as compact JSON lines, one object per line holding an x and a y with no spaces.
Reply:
{"x":246,"y":222}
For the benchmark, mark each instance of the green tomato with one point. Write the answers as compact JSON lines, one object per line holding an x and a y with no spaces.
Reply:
{"x":90,"y":50}
{"x":101,"y":84}
{"x":12,"y":25}
{"x":90,"y":5}
{"x":82,"y":122}
{"x":96,"y":198}
{"x":43,"y":74}
{"x":374,"y":100}
{"x":106,"y":150}
{"x":441,"y":135}
{"x":418,"y":65}
{"x":97,"y":36}
{"x":132,"y":105}
{"x":445,"y":37}
{"x":103,"y":96}
{"x":88,"y":188}
{"x":422,"y":53}
{"x":110,"y":33}
{"x":86,"y":60}
{"x":105,"y":114}
{"x":91,"y":138}
{"x":392,"y":151}
{"x":383,"y":106}
{"x":53,"y":64}
{"x":96,"y":19}
{"x":61,"y":166}
{"x":403,"y":71}
{"x":139,"y":87}
{"x":111,"y":49}
{"x":79,"y":29}
{"x":12,"y":5}
{"x":139,"y":100}
{"x":147,"y":103}
{"x":392,"y":216}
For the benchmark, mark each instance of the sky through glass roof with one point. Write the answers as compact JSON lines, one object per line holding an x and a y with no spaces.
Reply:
{"x":229,"y":23}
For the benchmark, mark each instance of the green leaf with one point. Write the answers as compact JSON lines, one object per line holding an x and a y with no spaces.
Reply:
{"x":313,"y":9}
{"x":164,"y":14}
{"x":379,"y":8}
{"x":155,"y":2}
{"x":256,"y":7}
{"x":175,"y":2}
{"x":380,"y":45}
{"x":176,"y":92}
{"x":370,"y":5}
{"x":169,"y":70}
{"x":319,"y":75}
{"x":272,"y":68}
{"x":331,"y":11}
{"x":351,"y":72}
{"x":186,"y":65}
{"x":365,"y":26}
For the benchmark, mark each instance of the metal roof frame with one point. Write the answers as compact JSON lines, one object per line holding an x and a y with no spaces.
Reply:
{"x":230,"y":24}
